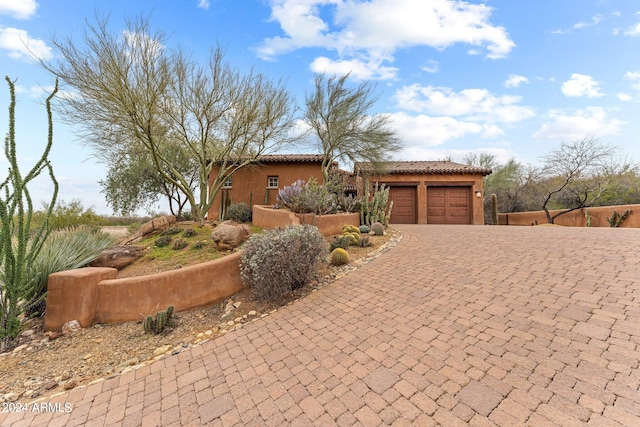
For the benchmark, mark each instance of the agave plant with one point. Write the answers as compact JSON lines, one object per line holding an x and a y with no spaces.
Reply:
{"x":65,"y":249}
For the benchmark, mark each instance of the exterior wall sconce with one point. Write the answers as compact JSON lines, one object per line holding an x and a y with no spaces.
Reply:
{"x":478,"y":194}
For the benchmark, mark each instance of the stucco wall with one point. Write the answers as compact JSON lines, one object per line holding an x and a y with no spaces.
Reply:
{"x":94,"y":295}
{"x":422,"y":183}
{"x":250,"y":184}
{"x":576,"y":218}
{"x":266,"y":217}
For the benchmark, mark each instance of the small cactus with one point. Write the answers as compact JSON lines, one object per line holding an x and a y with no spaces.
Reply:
{"x":364,"y":229}
{"x":340,"y":242}
{"x":189,"y":232}
{"x":350,"y":229}
{"x":339,"y":256}
{"x":377,"y":228}
{"x":180,"y":244}
{"x":163,"y":241}
{"x":162,"y":320}
{"x":494,"y":209}
{"x":364,"y":242}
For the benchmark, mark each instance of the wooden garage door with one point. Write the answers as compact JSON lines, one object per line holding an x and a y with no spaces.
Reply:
{"x":448,"y":205}
{"x":404,"y":205}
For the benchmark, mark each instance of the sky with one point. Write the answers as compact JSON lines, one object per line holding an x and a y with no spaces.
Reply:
{"x":511,"y":78}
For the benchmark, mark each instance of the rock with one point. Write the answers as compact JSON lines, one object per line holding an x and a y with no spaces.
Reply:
{"x":118,"y":256}
{"x":88,"y":356}
{"x":50,"y":385}
{"x":237,"y":304}
{"x":228,"y":235}
{"x":162,"y":350}
{"x":70,"y":327}
{"x":20,"y":348}
{"x":157,"y":224}
{"x":253,"y":313}
{"x":27,"y":333}
{"x":54,"y":335}
{"x":70,"y":384}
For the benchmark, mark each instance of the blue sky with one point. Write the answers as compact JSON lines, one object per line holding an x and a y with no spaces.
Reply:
{"x":513,"y":78}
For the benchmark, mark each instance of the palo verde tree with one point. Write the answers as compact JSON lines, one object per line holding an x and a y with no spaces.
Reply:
{"x":339,"y":117}
{"x":577,"y":174}
{"x":131,"y":90}
{"x":19,"y":245}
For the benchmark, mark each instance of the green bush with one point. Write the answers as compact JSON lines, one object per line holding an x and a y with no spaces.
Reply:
{"x":162,"y":241}
{"x":340,"y":242}
{"x":189,"y":232}
{"x":179,"y":244}
{"x":171,"y":231}
{"x":278,"y":261}
{"x":63,"y":250}
{"x":239,"y":212}
{"x":67,"y":215}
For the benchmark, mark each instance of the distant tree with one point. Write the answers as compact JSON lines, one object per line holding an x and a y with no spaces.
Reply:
{"x":133,"y":183}
{"x":339,"y":116}
{"x":575,"y":175}
{"x":131,"y":91}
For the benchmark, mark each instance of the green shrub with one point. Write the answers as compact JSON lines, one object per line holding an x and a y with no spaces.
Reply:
{"x":163,"y":241}
{"x":63,"y":250}
{"x":198,"y":245}
{"x":278,"y":261}
{"x":339,"y":256}
{"x":340,"y":242}
{"x":179,"y":244}
{"x":189,"y":232}
{"x":134,"y":227}
{"x":171,"y":231}
{"x":239,"y":212}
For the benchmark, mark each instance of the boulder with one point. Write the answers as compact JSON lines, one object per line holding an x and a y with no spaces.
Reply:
{"x":71,"y":327}
{"x":118,"y":256}
{"x":156,"y":224}
{"x":228,"y":235}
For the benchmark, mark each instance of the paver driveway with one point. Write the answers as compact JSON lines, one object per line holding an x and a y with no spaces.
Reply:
{"x":457,"y":324}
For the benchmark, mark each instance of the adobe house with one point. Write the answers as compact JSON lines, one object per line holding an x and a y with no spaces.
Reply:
{"x":429,"y":192}
{"x":259,"y":183}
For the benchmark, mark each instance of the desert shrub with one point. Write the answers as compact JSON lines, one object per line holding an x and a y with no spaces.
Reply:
{"x":349,"y":203}
{"x":134,"y":227}
{"x":239,"y":212}
{"x":308,"y":198}
{"x":189,"y":232}
{"x":340,"y":242}
{"x":162,"y":241}
{"x":287,"y":196}
{"x":63,"y":250}
{"x":279,"y":261}
{"x":179,"y":244}
{"x":339,"y":256}
{"x":171,"y":231}
{"x":198,"y":245}
{"x":377,"y":228}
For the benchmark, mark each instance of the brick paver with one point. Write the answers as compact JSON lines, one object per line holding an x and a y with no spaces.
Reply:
{"x":456,"y":325}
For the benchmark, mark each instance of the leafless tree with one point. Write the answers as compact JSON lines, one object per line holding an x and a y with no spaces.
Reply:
{"x":129,"y":88}
{"x":339,"y":117}
{"x":577,"y":173}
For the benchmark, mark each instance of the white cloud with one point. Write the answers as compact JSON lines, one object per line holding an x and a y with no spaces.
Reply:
{"x":473,"y":104}
{"x":634,"y":76}
{"x":431,"y":67}
{"x":375,"y":29}
{"x":360,"y":70}
{"x":20,"y":45}
{"x":427,"y":153}
{"x":203,"y":4}
{"x":426,"y":131}
{"x":570,"y":126}
{"x":633,"y":31}
{"x":581,"y":85}
{"x":624,"y":97}
{"x":583,"y":24}
{"x":19,"y":9}
{"x":515,"y":80}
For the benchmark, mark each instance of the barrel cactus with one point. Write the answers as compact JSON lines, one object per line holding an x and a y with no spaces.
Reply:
{"x":377,"y":228}
{"x":339,"y":257}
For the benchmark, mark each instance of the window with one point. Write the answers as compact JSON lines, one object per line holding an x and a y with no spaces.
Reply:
{"x":272,"y":182}
{"x":228,"y":183}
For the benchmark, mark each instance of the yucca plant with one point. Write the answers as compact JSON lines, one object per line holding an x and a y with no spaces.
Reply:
{"x":64,"y":250}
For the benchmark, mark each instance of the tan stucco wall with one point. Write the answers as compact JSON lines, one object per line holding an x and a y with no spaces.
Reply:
{"x":251,"y":183}
{"x":422,"y":183}
{"x":266,"y":217}
{"x":576,"y":218}
{"x":92,"y":295}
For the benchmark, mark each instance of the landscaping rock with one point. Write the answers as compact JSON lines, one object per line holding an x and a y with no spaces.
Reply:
{"x":228,"y":235}
{"x":71,"y":327}
{"x":118,"y":256}
{"x":157,"y":224}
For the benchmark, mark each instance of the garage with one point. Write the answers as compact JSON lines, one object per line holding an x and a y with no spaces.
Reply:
{"x":404,"y":205}
{"x":449,"y":205}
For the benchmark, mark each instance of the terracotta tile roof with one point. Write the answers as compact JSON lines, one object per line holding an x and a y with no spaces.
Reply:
{"x":290,"y":158}
{"x":422,"y":167}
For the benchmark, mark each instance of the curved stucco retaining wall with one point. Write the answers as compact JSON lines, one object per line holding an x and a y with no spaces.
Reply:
{"x":576,"y":218}
{"x":94,"y":295}
{"x":266,"y":217}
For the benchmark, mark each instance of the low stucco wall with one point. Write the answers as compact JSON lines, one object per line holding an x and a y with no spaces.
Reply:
{"x":266,"y":217}
{"x":94,"y":295}
{"x":575,"y":218}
